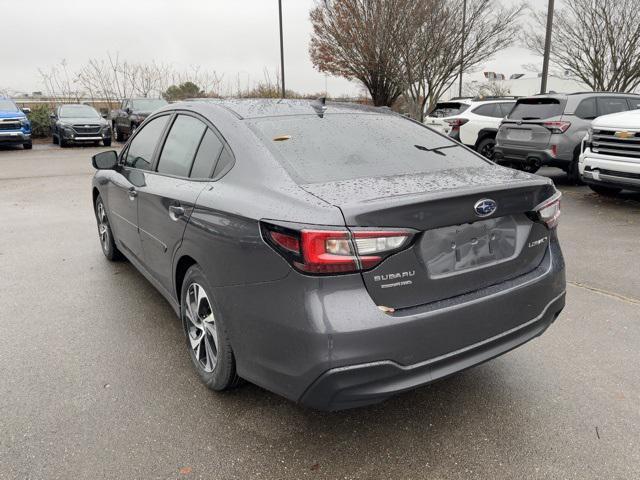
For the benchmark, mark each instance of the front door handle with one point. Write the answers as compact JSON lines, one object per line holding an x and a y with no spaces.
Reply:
{"x":132,"y":193}
{"x":175,"y":212}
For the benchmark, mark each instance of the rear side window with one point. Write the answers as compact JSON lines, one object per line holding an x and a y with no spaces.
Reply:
{"x":506,"y":108}
{"x":225,"y":162}
{"x":448,"y":109}
{"x":346,"y":146}
{"x":536,"y":109}
{"x":180,"y":146}
{"x":489,"y":110}
{"x":607,"y":105}
{"x":587,"y":109}
{"x":634,"y":103}
{"x":207,"y":156}
{"x":140,"y":152}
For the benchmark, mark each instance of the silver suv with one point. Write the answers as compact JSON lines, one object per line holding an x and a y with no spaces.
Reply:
{"x":548,"y":129}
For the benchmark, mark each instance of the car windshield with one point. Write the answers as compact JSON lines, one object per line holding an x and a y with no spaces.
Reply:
{"x":536,"y":109}
{"x":148,"y":104}
{"x":347,"y":146}
{"x":78,"y":111}
{"x":8,"y":106}
{"x":448,"y":109}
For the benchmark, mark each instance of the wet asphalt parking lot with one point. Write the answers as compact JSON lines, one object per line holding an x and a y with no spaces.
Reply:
{"x":96,"y":382}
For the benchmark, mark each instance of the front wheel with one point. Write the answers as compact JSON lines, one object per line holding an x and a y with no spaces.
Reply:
{"x":605,"y":191}
{"x":206,"y":335}
{"x":107,"y":143}
{"x":573,"y":171}
{"x":27,"y":146}
{"x":104,"y":232}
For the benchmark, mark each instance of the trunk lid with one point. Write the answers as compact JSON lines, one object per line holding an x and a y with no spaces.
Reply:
{"x":454,"y":250}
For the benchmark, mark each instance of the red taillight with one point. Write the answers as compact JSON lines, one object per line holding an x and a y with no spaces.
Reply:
{"x":456,"y":123}
{"x":335,"y":251}
{"x":557,"y":127}
{"x":548,"y":211}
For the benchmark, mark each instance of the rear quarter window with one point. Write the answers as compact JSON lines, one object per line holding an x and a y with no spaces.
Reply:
{"x":347,"y":146}
{"x":536,"y":109}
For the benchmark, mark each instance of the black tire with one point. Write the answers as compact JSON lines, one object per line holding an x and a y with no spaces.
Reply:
{"x":529,"y":167}
{"x":573,"y":172}
{"x":217,"y":372}
{"x":62,"y":142}
{"x":105,"y":235}
{"x":27,"y":146}
{"x":107,"y":143}
{"x":54,"y":139}
{"x":605,"y":191}
{"x":486,"y":146}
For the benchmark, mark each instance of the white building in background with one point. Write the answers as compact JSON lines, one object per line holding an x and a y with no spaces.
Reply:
{"x":521,"y":85}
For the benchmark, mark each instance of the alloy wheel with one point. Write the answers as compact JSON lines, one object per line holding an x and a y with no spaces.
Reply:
{"x":201,"y":327}
{"x":487,"y":150}
{"x":103,"y":227}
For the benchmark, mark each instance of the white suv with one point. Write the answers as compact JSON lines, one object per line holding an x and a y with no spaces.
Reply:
{"x":473,"y":122}
{"x":610,"y":160}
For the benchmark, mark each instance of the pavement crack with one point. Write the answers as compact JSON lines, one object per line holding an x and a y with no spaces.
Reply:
{"x":617,"y":296}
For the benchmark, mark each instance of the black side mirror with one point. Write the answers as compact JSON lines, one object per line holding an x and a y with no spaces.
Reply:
{"x":52,"y":116}
{"x":26,"y":110}
{"x":127,"y":111}
{"x":105,"y":160}
{"x":104,"y":115}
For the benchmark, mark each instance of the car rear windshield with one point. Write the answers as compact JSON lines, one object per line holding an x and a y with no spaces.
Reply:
{"x":536,"y":109}
{"x":347,"y":146}
{"x":8,"y":106}
{"x":448,"y":109}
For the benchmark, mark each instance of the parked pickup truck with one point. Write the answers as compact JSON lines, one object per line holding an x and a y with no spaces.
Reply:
{"x":15,"y":127}
{"x":131,"y":114}
{"x":610,"y":160}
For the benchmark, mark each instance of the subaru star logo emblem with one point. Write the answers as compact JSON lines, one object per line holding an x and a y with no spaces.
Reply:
{"x":485,"y":207}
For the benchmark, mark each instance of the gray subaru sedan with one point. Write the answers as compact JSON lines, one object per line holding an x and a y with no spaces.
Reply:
{"x":331,"y":253}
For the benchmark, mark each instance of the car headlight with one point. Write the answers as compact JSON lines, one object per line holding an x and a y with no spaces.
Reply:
{"x":25,"y":122}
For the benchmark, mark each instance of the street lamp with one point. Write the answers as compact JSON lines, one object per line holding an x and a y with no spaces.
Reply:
{"x":282,"y":50}
{"x":464,"y":21}
{"x":547,"y":48}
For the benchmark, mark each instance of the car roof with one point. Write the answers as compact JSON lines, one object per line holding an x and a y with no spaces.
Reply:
{"x":272,"y":107}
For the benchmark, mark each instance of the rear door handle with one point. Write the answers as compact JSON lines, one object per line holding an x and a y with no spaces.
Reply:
{"x":175,"y":212}
{"x":132,"y":193}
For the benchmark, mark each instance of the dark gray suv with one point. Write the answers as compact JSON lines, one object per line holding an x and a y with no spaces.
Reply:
{"x":549,"y":129}
{"x":333,"y":254}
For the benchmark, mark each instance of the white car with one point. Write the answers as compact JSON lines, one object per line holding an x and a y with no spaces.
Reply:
{"x":473,"y":122}
{"x":610,"y":159}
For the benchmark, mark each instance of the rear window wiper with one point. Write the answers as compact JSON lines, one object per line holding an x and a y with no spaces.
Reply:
{"x":435,"y":149}
{"x":530,"y":118}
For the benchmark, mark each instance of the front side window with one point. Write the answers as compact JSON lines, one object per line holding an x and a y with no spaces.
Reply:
{"x":612,"y":105}
{"x":140,"y":152}
{"x":181,"y":145}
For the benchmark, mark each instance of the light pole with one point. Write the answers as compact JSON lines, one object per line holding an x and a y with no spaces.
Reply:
{"x":282,"y":50}
{"x":547,"y":48}
{"x":464,"y":21}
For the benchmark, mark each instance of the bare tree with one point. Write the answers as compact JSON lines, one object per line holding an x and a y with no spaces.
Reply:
{"x":360,"y":39}
{"x":432,"y":54}
{"x":596,"y":41}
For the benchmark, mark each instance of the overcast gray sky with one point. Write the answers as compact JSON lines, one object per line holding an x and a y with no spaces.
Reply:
{"x":233,"y":37}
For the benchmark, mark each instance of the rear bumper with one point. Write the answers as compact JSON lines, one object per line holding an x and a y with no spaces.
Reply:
{"x":610,"y":171}
{"x":364,"y":384}
{"x":504,"y":154}
{"x":323,"y":342}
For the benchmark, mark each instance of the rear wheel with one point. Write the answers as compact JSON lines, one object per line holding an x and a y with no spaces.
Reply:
{"x":529,"y":167}
{"x":104,"y":232}
{"x":486,"y":147}
{"x":605,"y":191}
{"x":206,"y":335}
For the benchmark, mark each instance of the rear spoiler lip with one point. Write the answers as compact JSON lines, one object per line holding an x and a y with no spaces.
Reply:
{"x":460,"y":191}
